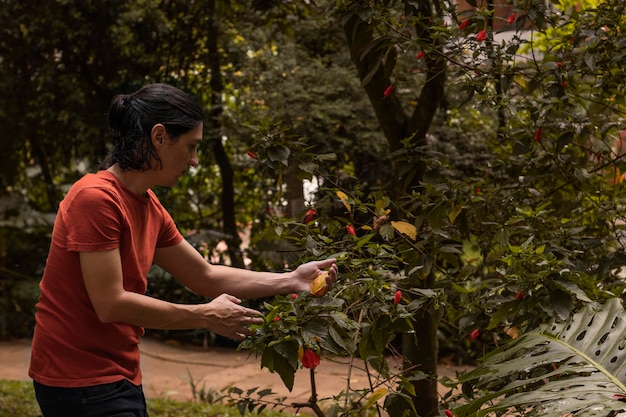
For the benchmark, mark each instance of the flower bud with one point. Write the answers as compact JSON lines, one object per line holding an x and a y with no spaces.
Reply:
{"x":397,"y":297}
{"x":511,"y":19}
{"x":388,"y":91}
{"x":310,"y":215}
{"x":310,"y":359}
{"x":474,"y":335}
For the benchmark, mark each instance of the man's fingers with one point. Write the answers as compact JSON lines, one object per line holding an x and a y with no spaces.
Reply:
{"x":324,"y":263}
{"x":251,"y":313}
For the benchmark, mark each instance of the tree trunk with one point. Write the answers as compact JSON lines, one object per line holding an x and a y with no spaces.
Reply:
{"x":421,"y":349}
{"x":295,"y":193}
{"x":373,"y":63}
{"x":229,"y":224}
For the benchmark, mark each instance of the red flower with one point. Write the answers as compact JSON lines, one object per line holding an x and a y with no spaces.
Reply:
{"x":464,"y":24}
{"x":511,"y":18}
{"x":388,"y":91}
{"x":350,"y":229}
{"x":564,"y":84}
{"x":294,"y":296}
{"x":420,"y":55}
{"x":397,"y":297}
{"x":519,"y":295}
{"x":481,"y":36}
{"x":537,"y":134}
{"x":277,"y":318}
{"x":474,"y":335}
{"x":310,"y":359}
{"x":478,"y":191}
{"x":448,"y":413}
{"x":310,"y":215}
{"x":251,"y":155}
{"x":559,"y":64}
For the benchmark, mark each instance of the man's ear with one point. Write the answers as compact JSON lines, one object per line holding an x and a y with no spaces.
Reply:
{"x":157,"y":135}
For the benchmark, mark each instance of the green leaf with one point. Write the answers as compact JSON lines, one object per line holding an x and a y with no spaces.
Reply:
{"x":572,"y":366}
{"x":341,"y":338}
{"x":242,"y":406}
{"x":284,"y":369}
{"x":289,"y":351}
{"x":267,"y":359}
{"x":502,"y":313}
{"x":574,"y":289}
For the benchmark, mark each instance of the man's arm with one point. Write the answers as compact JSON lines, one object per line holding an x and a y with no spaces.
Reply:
{"x":102,"y":274}
{"x":186,"y":264}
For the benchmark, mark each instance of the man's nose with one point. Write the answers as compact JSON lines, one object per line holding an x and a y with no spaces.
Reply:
{"x":193,"y":161}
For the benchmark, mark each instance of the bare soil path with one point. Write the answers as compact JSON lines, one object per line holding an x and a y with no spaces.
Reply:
{"x":169,"y":371}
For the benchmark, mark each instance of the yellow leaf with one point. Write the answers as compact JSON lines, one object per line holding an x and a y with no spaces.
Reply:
{"x":454,"y":212}
{"x":406,"y":228}
{"x":343,"y":197}
{"x":317,"y":287}
{"x":376,"y":395}
{"x":513,"y":332}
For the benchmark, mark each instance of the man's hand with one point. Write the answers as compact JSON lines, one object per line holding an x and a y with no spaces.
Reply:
{"x":306,"y":273}
{"x":227,"y":317}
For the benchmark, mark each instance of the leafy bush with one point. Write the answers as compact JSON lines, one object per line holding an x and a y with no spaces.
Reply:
{"x":567,"y":367}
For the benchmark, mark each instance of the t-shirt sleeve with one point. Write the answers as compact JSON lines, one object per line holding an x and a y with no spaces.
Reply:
{"x":93,"y":220}
{"x":169,"y":235}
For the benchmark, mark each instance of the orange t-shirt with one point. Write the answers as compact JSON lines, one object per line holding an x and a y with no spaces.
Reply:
{"x":71,"y":346}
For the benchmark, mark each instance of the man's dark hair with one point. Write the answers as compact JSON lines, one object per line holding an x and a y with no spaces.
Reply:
{"x":132,"y":117}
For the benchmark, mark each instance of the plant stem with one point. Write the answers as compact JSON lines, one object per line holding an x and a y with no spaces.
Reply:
{"x":312,"y":402}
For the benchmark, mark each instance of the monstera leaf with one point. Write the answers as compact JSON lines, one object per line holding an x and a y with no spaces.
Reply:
{"x":576,"y":366}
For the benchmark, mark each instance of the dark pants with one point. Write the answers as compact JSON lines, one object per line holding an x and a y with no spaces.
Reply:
{"x":118,"y":399}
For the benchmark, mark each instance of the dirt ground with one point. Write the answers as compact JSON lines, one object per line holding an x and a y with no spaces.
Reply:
{"x":171,"y":371}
